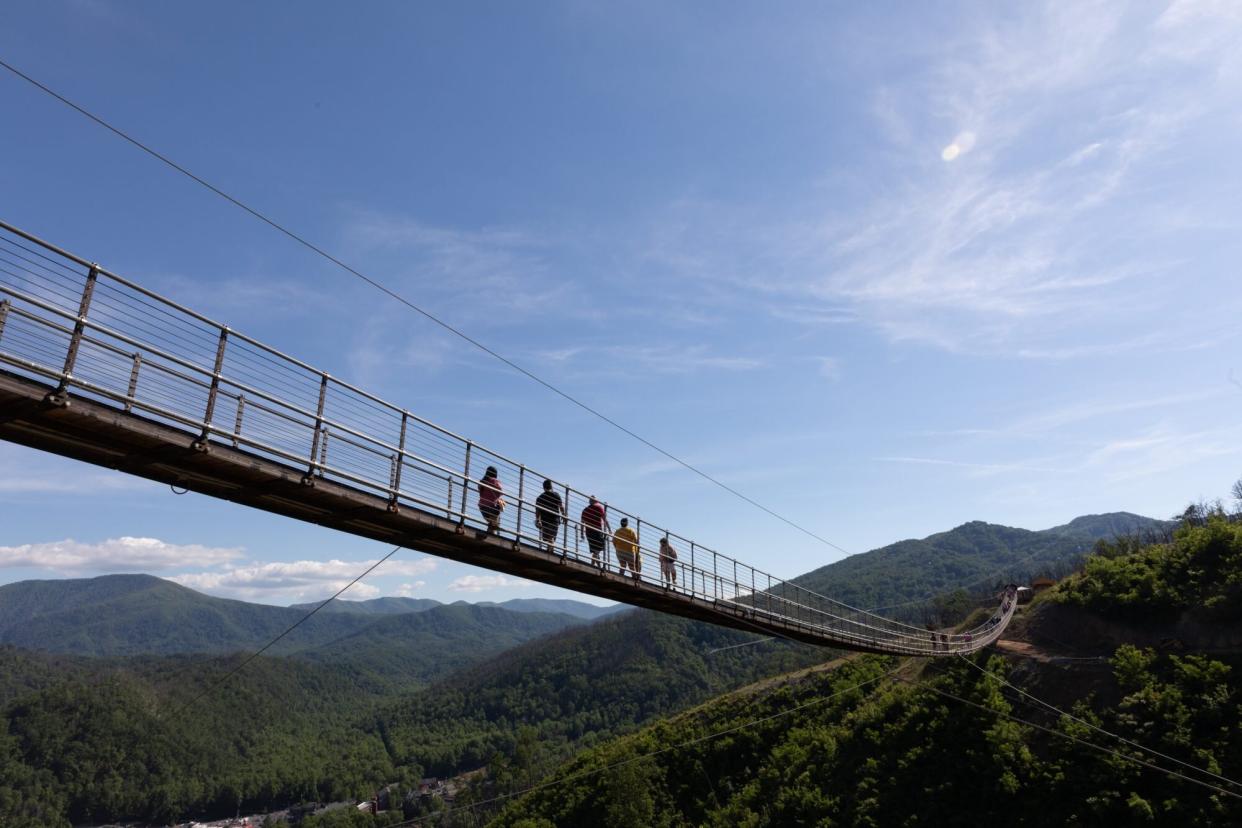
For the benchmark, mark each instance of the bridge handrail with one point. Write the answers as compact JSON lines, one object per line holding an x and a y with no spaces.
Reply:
{"x":326,"y":433}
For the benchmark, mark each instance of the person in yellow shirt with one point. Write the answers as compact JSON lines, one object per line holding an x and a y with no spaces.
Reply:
{"x":625,"y":541}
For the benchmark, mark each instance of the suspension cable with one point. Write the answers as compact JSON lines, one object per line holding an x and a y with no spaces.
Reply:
{"x":1098,"y":729}
{"x":411,"y":305}
{"x":211,"y":687}
{"x":1071,"y":738}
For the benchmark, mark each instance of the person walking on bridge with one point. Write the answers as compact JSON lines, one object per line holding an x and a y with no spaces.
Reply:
{"x":491,"y":501}
{"x":668,"y":562}
{"x":626,"y":542}
{"x":549,"y":512}
{"x":594,"y":526}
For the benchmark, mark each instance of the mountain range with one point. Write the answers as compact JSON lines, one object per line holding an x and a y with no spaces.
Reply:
{"x":393,"y":688}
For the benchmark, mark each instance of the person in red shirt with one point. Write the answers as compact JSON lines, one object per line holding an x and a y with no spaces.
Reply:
{"x":594,"y":527}
{"x":491,"y":503}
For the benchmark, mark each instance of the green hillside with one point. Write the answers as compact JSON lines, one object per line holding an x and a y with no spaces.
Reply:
{"x":817,"y":749}
{"x":354,"y":710}
{"x":621,"y":672}
{"x":400,"y":652}
{"x":577,"y":686}
{"x":102,"y":741}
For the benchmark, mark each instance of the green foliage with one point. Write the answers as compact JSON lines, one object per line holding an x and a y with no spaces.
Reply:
{"x":899,"y":754}
{"x":571,"y":689}
{"x":118,"y":742}
{"x":1198,"y":571}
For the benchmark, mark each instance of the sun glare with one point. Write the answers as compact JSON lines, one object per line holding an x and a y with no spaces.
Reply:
{"x":960,"y":145}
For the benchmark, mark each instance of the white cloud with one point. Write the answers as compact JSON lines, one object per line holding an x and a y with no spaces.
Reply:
{"x":69,"y":557}
{"x":480,"y":583}
{"x":299,"y":580}
{"x":408,"y":590}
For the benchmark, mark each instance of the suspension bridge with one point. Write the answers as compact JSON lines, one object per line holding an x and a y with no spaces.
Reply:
{"x":97,"y":368}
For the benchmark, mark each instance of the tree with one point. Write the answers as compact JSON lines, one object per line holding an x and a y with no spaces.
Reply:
{"x":627,"y":798}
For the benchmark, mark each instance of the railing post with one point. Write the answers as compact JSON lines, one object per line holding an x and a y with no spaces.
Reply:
{"x":565,"y":533}
{"x":448,"y":503}
{"x":399,"y":462}
{"x":465,"y":484}
{"x":132,"y":389}
{"x":638,"y":555}
{"x":237,"y":421}
{"x":715,"y":578}
{"x":323,"y":452}
{"x":4,"y":315}
{"x":60,"y":395}
{"x":309,"y":478}
{"x":692,"y":570}
{"x":201,"y":443}
{"x":521,"y":494}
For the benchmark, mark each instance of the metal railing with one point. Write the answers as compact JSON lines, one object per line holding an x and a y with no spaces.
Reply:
{"x":96,"y":334}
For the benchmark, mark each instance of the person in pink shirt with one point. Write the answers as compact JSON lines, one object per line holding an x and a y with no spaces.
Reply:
{"x":491,"y":501}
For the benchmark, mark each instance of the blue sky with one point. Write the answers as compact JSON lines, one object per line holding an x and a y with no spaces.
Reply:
{"x":885,"y":267}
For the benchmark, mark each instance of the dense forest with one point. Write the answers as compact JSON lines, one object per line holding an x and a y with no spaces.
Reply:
{"x":947,"y":744}
{"x":155,"y":738}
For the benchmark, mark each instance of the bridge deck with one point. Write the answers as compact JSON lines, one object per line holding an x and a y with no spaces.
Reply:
{"x":97,"y":368}
{"x":85,"y":430}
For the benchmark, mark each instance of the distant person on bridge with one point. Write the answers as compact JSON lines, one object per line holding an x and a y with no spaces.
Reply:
{"x":625,"y":540}
{"x":594,"y":526}
{"x":491,"y":501}
{"x":549,"y":512}
{"x":668,"y":562}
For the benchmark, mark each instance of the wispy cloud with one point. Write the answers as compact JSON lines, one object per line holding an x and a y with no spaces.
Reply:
{"x":979,"y":468}
{"x":125,"y":554}
{"x":647,"y":359}
{"x":1141,"y":453}
{"x":830,"y":368}
{"x":497,"y":275}
{"x":299,"y":580}
{"x":1040,"y":424}
{"x":482,"y":583}
{"x":1026,"y":190}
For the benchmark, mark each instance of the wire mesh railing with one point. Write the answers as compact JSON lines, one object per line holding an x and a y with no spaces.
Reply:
{"x":92,"y":333}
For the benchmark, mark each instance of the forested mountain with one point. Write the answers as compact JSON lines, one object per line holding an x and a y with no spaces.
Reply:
{"x":579,"y":608}
{"x":577,"y":686}
{"x":973,"y":556}
{"x":120,"y":615}
{"x":141,"y":614}
{"x":396,"y":606}
{"x":875,"y":743}
{"x":623,"y":671}
{"x":403,"y":652}
{"x":140,"y":738}
{"x":373,"y":606}
{"x":97,"y":739}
